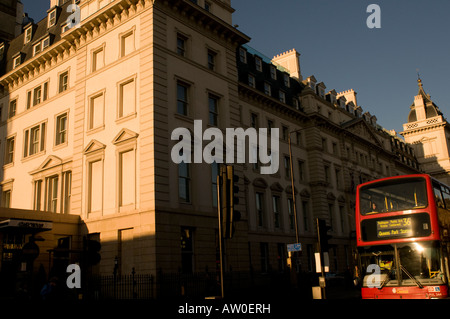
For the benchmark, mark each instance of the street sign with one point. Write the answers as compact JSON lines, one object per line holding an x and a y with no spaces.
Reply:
{"x":294,"y":247}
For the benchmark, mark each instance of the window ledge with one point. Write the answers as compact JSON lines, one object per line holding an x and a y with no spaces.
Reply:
{"x":95,"y":130}
{"x":31,"y":157}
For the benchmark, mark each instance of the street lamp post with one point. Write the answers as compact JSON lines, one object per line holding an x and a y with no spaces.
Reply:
{"x":292,"y":184}
{"x":293,"y":255}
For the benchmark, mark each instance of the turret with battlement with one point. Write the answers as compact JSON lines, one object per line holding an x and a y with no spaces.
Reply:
{"x":290,"y":60}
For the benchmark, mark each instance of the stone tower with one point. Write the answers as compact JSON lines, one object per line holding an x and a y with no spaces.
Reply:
{"x":429,"y":133}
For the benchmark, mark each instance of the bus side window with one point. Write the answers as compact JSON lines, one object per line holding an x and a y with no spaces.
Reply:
{"x":438,"y":196}
{"x":446,"y":193}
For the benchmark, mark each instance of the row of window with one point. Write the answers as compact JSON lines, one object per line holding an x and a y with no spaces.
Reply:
{"x":126,"y":104}
{"x":266,"y":86}
{"x":184,"y":103}
{"x":126,"y":46}
{"x":206,"y":4}
{"x":183,"y":49}
{"x":185,"y":195}
{"x":38,"y":94}
{"x":259,"y":67}
{"x":126,"y":179}
{"x":53,"y":192}
{"x":302,"y":208}
{"x":34,"y":139}
{"x":254,"y":122}
{"x":268,"y":91}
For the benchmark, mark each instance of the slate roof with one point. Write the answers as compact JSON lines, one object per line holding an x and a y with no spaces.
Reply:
{"x":40,"y":31}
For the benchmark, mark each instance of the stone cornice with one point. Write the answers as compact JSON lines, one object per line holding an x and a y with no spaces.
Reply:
{"x":251,"y":94}
{"x":427,"y":125}
{"x":208,"y":20}
{"x":72,"y":40}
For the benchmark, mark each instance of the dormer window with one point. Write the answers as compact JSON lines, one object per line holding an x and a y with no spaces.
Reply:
{"x":321,"y":92}
{"x":332,"y":96}
{"x":37,"y":48}
{"x":52,"y":18}
{"x":28,"y":34}
{"x":45,"y":43}
{"x":267,"y":88}
{"x":17,"y":60}
{"x":286,"y":80}
{"x":258,"y":64}
{"x":296,"y":103}
{"x":242,"y":55}
{"x":65,"y":27}
{"x":321,"y":89}
{"x":41,"y":46}
{"x":251,"y":81}
{"x":273,"y":72}
{"x":282,"y":97}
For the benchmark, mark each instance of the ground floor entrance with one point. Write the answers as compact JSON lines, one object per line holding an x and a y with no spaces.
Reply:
{"x":34,"y":247}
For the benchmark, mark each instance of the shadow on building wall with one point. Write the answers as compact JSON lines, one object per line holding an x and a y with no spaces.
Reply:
{"x":67,"y":242}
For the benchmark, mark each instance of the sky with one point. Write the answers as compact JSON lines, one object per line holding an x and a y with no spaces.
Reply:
{"x":337,"y":47}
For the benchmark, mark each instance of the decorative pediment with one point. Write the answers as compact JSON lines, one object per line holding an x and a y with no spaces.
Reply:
{"x":332,"y":92}
{"x":341,"y":199}
{"x":361,"y":128}
{"x":49,"y":162}
{"x":124,"y":135}
{"x":331,"y":197}
{"x":322,"y":85}
{"x":311,"y":78}
{"x":288,"y":190}
{"x":276,"y":187}
{"x":259,"y":182}
{"x":305,"y":194}
{"x":93,"y":146}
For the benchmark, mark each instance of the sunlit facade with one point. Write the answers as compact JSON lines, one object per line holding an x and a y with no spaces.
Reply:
{"x":87,"y":113}
{"x":428,"y":133}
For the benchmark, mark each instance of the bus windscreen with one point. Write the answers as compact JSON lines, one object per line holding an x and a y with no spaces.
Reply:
{"x":393,"y":195}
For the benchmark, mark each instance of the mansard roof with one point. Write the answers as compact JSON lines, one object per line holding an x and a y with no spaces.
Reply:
{"x":431,"y":109}
{"x":40,"y":31}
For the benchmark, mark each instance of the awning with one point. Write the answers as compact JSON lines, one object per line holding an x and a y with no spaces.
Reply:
{"x":25,"y":225}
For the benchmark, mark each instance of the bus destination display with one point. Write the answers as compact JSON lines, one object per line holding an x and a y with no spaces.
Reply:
{"x":396,"y":227}
{"x":400,"y":227}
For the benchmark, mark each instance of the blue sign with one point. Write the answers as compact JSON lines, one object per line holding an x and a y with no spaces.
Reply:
{"x":294,"y":247}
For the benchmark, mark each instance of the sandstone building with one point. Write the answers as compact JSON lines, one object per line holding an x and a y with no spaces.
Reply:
{"x":87,"y":113}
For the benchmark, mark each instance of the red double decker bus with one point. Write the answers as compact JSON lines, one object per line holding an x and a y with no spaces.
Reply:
{"x":402,"y":234}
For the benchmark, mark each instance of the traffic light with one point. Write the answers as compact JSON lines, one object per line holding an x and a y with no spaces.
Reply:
{"x":92,"y":249}
{"x":235,"y":215}
{"x":228,"y":192}
{"x":224,"y":202}
{"x":322,"y":234}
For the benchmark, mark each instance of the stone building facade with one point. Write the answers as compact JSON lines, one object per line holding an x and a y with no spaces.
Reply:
{"x":428,"y":133}
{"x":87,"y":114}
